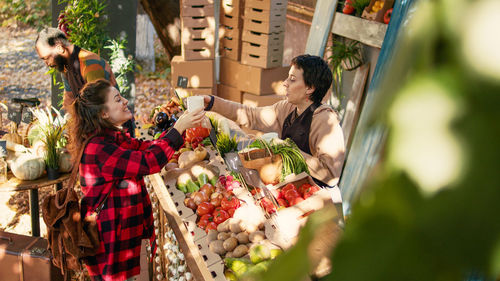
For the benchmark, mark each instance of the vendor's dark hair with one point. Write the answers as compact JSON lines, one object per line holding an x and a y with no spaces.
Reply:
{"x":317,"y":74}
{"x":51,"y":36}
{"x":86,"y":114}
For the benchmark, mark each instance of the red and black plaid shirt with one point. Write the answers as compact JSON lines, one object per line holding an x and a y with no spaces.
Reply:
{"x":113,"y":160}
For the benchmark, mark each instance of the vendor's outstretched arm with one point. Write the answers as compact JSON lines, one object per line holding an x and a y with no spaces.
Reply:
{"x":266,"y":119}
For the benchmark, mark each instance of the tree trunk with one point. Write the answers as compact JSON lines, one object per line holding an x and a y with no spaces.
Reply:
{"x":165,"y":16}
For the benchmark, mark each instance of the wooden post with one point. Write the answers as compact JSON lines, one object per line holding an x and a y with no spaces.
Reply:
{"x":145,"y":49}
{"x":320,"y":27}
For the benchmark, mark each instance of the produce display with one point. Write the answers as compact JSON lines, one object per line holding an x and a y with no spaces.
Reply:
{"x":233,"y":222}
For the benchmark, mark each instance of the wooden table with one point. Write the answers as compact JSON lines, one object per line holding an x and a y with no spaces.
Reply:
{"x":15,"y":184}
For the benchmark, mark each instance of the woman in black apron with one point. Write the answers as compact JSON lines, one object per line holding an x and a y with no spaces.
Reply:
{"x":313,"y":126}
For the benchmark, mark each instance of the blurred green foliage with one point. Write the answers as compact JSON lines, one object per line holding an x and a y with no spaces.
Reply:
{"x":430,"y":211}
{"x":29,"y":12}
{"x":86,"y":21}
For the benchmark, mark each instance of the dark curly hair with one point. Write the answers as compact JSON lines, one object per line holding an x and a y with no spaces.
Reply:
{"x":317,"y":74}
{"x":86,"y":114}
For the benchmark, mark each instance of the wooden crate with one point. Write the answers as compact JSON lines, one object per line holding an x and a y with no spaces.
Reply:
{"x":230,"y":43}
{"x":198,"y":2}
{"x":198,"y":22}
{"x":261,"y":57}
{"x":264,"y":26}
{"x":228,"y":20}
{"x":190,"y":10}
{"x":266,"y":4}
{"x":265,"y":15}
{"x":193,"y":257}
{"x":198,"y":36}
{"x":230,"y":5}
{"x":273,"y":39}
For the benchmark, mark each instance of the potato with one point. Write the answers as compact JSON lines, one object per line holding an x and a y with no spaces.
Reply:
{"x":229,"y":255}
{"x":223,"y":236}
{"x":212,"y":235}
{"x":261,"y":226}
{"x":230,"y":244}
{"x":217,"y":247}
{"x":242,"y":237}
{"x":257,"y":236}
{"x":240,"y":251}
{"x":235,"y":226}
{"x":224,"y":226}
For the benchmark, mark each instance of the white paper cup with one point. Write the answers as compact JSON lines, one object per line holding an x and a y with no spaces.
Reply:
{"x":194,"y":102}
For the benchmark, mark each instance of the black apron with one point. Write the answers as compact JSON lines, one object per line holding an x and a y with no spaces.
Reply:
{"x":297,"y":129}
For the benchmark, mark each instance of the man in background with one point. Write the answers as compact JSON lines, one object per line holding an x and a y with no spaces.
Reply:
{"x":77,"y":65}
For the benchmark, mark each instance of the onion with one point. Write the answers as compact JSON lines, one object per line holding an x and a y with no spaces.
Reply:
{"x":189,"y":202}
{"x":199,"y":197}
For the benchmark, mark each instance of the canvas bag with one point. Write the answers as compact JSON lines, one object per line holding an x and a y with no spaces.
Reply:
{"x":70,"y":238}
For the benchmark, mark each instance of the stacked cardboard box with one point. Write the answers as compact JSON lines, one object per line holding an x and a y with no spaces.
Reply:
{"x":198,"y":29}
{"x":256,"y":86}
{"x":263,"y":33}
{"x":198,"y":48}
{"x":231,"y":22}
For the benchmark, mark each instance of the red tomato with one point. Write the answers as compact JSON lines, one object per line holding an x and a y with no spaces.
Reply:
{"x":215,"y":200}
{"x":255,"y":191}
{"x":296,"y":201}
{"x":303,"y":188}
{"x":205,"y":208}
{"x":348,"y":9}
{"x":220,"y":216}
{"x":211,"y":225}
{"x":288,"y":187}
{"x":291,"y":194}
{"x":282,"y":202}
{"x":387,"y":16}
{"x":231,"y":211}
{"x":267,"y":205}
{"x":196,"y":141}
{"x":204,"y":220}
{"x":230,"y":202}
{"x":310,"y":191}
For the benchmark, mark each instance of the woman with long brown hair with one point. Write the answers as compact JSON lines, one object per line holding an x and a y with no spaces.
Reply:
{"x":111,"y":171}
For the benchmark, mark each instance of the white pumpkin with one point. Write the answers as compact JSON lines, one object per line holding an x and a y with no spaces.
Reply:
{"x":65,"y":164}
{"x":28,"y":167}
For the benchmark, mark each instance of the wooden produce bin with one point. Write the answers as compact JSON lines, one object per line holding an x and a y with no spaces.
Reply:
{"x":202,"y":263}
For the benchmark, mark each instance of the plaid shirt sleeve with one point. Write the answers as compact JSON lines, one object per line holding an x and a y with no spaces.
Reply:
{"x":133,"y":158}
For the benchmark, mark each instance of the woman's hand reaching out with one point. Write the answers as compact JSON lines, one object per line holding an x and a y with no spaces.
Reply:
{"x":189,"y":120}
